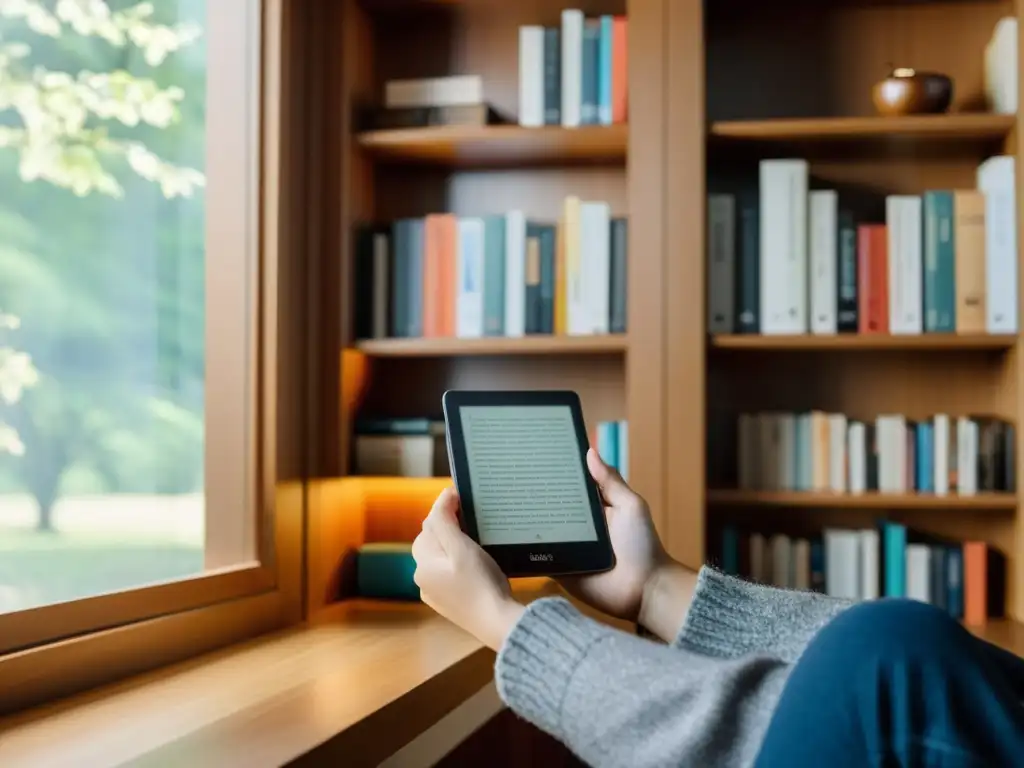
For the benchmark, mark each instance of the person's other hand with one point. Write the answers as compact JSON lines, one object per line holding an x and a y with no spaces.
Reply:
{"x":459,"y":580}
{"x":638,"y":551}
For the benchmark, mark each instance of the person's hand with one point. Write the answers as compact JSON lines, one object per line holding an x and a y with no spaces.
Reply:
{"x":639,"y":555}
{"x":459,"y":580}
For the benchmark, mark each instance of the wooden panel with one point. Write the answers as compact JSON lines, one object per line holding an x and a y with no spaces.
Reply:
{"x":684,"y":283}
{"x":864,"y":342}
{"x":1013,"y":383}
{"x":948,"y":129}
{"x":824,"y":59}
{"x":996,"y":503}
{"x":506,"y":741}
{"x":526,"y":345}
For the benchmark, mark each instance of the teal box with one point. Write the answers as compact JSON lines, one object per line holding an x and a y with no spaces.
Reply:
{"x":385,"y":572}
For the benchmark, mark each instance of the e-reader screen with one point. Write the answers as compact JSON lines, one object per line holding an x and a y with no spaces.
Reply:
{"x":526,"y":475}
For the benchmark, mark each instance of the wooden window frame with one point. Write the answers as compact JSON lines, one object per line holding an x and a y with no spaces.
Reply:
{"x":254,"y":421}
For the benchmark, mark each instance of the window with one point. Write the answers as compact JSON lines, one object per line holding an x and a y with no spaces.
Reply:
{"x":131,"y":301}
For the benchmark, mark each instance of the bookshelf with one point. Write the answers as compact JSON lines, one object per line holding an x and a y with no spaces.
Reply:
{"x":989,"y":502}
{"x":527,"y":345}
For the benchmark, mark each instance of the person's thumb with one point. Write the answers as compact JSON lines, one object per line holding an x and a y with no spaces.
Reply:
{"x":613,"y":487}
{"x":443,"y":519}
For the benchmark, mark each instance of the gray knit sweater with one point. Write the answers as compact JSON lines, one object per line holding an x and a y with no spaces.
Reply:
{"x":618,"y":700}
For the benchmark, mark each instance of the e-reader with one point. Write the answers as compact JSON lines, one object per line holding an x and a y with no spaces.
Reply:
{"x":518,"y":460}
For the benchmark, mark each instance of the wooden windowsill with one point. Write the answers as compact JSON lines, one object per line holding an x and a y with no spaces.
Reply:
{"x":357,"y":685}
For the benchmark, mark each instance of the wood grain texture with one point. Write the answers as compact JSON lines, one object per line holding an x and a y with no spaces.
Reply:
{"x":946,"y":128}
{"x":527,"y":345}
{"x":996,"y":503}
{"x":866,"y":342}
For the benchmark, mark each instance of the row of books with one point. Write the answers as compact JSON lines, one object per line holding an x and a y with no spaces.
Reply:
{"x":967,"y":579}
{"x":611,"y":441}
{"x":783,"y":259}
{"x":576,"y":75}
{"x":829,"y":452}
{"x":501,"y":275}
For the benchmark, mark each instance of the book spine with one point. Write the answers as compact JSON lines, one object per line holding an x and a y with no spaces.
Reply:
{"x":547,"y":279}
{"x":531,"y":76}
{"x":494,"y":276}
{"x":401,"y":233}
{"x":969,"y":240}
{"x":903,"y":225}
{"x":381,"y":285}
{"x":363,"y":279}
{"x":469,"y":321}
{"x":577,"y":313}
{"x":620,"y":69}
{"x":572,"y":66}
{"x":595,"y":264}
{"x":431,"y":291}
{"x":783,"y":270}
{"x":748,"y":262}
{"x":608,"y":442}
{"x":421,"y":117}
{"x":450,"y":91}
{"x":619,"y":275}
{"x":414,"y":316}
{"x":515,"y":273}
{"x":939,"y":294}
{"x":552,"y":77}
{"x":534,"y":303}
{"x":824,"y":205}
{"x":604,"y":71}
{"x":589,"y":73}
{"x":721,"y":262}
{"x":846,"y":301}
{"x":996,"y":180}
{"x":623,"y":445}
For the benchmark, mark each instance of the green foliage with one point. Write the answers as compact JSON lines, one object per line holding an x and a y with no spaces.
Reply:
{"x":102,"y":118}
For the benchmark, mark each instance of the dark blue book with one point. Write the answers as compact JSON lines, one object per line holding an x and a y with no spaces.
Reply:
{"x":552,"y":76}
{"x":846,"y":298}
{"x":748,"y":264}
{"x":591,"y":61}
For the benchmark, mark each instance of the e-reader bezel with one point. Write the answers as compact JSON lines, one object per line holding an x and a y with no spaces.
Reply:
{"x":543,"y":559}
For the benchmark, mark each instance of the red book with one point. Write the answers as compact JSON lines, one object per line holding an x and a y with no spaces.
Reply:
{"x":433,"y":276}
{"x":872,"y":279}
{"x":620,"y":70}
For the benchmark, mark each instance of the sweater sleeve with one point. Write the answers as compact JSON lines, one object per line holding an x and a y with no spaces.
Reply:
{"x":619,"y":700}
{"x":730,"y":618}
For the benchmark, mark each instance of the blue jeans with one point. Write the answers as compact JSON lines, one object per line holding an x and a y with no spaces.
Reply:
{"x":899,"y":683}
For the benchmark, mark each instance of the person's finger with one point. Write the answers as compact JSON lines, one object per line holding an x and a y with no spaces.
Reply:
{"x":425,"y":546}
{"x":443,"y":519}
{"x":613,"y":487}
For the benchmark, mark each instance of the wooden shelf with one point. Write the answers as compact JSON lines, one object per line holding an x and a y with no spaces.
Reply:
{"x":526,"y":345}
{"x":499,"y":145}
{"x":735,"y":498}
{"x":867,"y":342}
{"x":951,"y":128}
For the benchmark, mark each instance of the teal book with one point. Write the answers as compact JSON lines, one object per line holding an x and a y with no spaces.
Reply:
{"x":894,"y":559}
{"x":494,"y":275}
{"x":604,"y":72}
{"x":608,"y":442}
{"x":939,"y":295}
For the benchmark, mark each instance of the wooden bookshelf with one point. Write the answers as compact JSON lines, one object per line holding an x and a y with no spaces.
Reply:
{"x":499,"y":145}
{"x":527,"y":345}
{"x":993,"y":502}
{"x":866,"y":342}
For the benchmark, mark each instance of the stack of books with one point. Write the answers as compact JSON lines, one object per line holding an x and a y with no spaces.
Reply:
{"x":576,"y":75}
{"x":828,"y":452}
{"x":400,"y":448}
{"x":427,"y":101}
{"x":500,"y":275}
{"x":786,"y":259}
{"x":968,"y":579}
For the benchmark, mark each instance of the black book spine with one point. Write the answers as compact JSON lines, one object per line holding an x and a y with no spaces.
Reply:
{"x":748,"y":263}
{"x":552,"y":77}
{"x":401,"y":232}
{"x":547,"y":280}
{"x":847,"y":282}
{"x":591,"y":49}
{"x":617,"y":300}
{"x":414,"y":316}
{"x":363,"y":280}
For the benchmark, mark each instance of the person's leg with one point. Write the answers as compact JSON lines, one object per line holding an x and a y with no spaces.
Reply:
{"x":898,"y":683}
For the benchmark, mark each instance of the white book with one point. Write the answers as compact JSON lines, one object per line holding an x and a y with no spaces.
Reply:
{"x":842,"y":558}
{"x":801,"y":554}
{"x":1000,"y":67}
{"x":454,"y":91}
{"x":892,"y":453}
{"x":919,"y":557}
{"x":996,"y":179}
{"x":781,"y":561}
{"x":837,"y":452}
{"x":869,"y":554}
{"x":572,"y":66}
{"x":746,"y":453}
{"x":824,"y":250}
{"x":758,"y":569}
{"x":469,"y":302}
{"x":856,"y":450}
{"x":531,"y":76}
{"x":941,"y":459}
{"x":903,"y":225}
{"x":381,"y":268}
{"x":515,"y":273}
{"x":595,"y":262}
{"x":967,"y":456}
{"x":624,"y":449}
{"x":783,"y":249}
{"x":721,"y":263}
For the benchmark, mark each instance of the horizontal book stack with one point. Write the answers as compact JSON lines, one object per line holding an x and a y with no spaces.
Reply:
{"x":427,"y":101}
{"x":829,"y":452}
{"x":400,"y":448}
{"x":574,"y":75}
{"x":500,"y":275}
{"x":968,"y":579}
{"x":784,"y":258}
{"x":611,"y":441}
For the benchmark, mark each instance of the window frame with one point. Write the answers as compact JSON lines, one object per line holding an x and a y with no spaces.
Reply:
{"x":253,"y":330}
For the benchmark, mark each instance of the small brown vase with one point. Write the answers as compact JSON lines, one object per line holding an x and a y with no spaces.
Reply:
{"x":908,"y":92}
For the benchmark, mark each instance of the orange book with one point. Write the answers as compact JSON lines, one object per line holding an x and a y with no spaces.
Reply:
{"x":872,"y":279}
{"x":620,"y":71}
{"x":975,"y":583}
{"x":820,"y":454}
{"x":561,"y":310}
{"x":448,"y":237}
{"x":969,"y":260}
{"x":432,"y":275}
